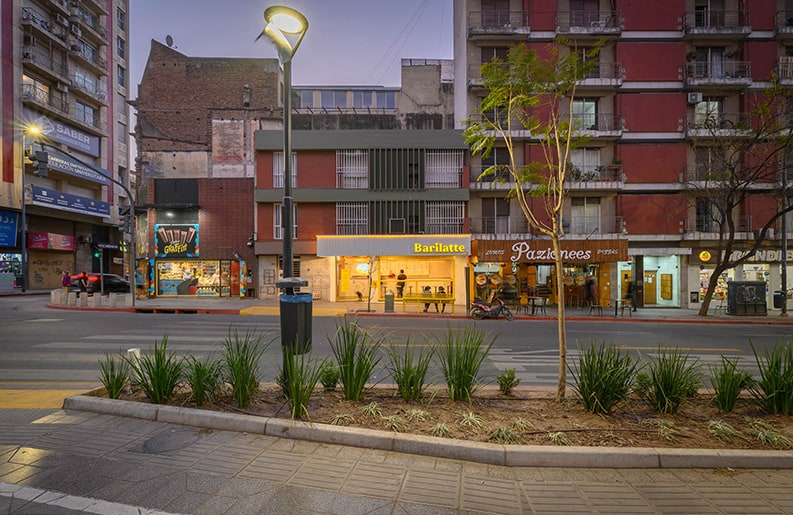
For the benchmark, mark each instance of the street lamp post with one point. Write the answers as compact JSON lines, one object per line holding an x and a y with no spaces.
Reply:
{"x":34,"y":131}
{"x":286,"y":27}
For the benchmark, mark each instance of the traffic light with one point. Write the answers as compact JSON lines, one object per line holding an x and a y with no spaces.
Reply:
{"x":40,"y":160}
{"x":97,"y":251}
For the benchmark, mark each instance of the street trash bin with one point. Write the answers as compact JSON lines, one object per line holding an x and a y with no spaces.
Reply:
{"x":296,"y":322}
{"x":389,"y":302}
{"x":779,"y":299}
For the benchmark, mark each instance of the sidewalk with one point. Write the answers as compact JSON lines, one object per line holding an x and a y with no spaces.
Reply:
{"x":245,"y":306}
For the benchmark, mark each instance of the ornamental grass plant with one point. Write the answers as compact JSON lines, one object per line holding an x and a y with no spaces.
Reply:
{"x":603,"y":377}
{"x":204,"y":378}
{"x":460,"y":354}
{"x":728,"y":383}
{"x":158,"y":373}
{"x":114,"y":374}
{"x":670,"y":380}
{"x":241,"y":356}
{"x":773,"y":391}
{"x":301,"y":374}
{"x":357,"y":355}
{"x":409,"y":370}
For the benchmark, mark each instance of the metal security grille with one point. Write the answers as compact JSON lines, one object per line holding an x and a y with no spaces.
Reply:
{"x":444,"y":217}
{"x":278,"y":170}
{"x":443,"y":169}
{"x":352,"y":218}
{"x":352,"y":169}
{"x":278,"y":230}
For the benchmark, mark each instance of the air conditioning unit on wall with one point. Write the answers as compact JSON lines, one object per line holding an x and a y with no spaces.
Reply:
{"x":694,"y":98}
{"x":74,"y":29}
{"x":62,"y":20}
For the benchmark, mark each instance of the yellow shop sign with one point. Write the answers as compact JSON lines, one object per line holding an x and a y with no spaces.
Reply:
{"x":436,"y":248}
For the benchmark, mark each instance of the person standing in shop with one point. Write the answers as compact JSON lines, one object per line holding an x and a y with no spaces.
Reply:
{"x":401,"y":283}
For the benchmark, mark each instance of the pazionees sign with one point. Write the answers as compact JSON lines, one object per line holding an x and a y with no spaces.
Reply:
{"x":541,"y":251}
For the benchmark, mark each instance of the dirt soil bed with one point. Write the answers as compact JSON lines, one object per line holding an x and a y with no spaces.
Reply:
{"x":534,"y":416}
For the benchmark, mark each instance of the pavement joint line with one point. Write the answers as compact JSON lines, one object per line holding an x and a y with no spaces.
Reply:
{"x":476,"y":452}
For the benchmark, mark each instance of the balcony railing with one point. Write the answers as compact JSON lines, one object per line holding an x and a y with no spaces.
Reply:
{"x":98,"y":63}
{"x":35,"y":20}
{"x":595,"y":173}
{"x":707,"y":224}
{"x":715,"y":22}
{"x":718,"y":124}
{"x":95,"y":90}
{"x":783,"y":23}
{"x":784,"y":69}
{"x":500,"y":225}
{"x":501,"y":175}
{"x":598,"y":122}
{"x":719,"y":73}
{"x":59,"y":106}
{"x":497,"y":22}
{"x":589,"y":22}
{"x":604,"y":74}
{"x":591,"y":225}
{"x":43,"y":60}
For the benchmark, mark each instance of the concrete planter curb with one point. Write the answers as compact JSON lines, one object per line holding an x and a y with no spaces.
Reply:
{"x":493,"y":454}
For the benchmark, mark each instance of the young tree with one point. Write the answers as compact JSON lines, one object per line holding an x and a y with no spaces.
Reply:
{"x":739,"y":158}
{"x":535,"y":94}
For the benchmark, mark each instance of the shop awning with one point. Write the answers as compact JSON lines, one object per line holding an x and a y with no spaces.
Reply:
{"x":541,"y":251}
{"x":395,"y":245}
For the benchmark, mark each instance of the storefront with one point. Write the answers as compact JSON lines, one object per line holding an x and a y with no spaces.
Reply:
{"x":515,"y":267}
{"x":178,"y":270}
{"x":368,"y":267}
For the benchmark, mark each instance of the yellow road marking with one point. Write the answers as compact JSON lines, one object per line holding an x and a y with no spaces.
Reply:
{"x":35,"y":399}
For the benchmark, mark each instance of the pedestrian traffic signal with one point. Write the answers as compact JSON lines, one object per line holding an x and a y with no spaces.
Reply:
{"x":97,"y":252}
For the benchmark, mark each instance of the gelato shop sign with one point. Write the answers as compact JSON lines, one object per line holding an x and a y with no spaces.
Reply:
{"x":438,"y":248}
{"x":541,"y":251}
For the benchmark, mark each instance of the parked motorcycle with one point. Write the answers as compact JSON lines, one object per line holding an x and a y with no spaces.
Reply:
{"x":481,"y":309}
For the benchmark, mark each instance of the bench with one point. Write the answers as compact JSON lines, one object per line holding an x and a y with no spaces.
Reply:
{"x":420,"y":299}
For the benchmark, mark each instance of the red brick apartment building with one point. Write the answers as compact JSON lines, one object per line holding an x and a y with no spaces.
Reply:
{"x":663,"y":65}
{"x":65,"y":72}
{"x":196,"y":120}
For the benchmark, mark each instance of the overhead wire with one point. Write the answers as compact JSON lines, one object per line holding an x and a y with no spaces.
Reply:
{"x":403,"y":35}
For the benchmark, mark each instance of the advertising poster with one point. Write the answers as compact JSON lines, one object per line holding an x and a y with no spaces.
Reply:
{"x":176,"y":240}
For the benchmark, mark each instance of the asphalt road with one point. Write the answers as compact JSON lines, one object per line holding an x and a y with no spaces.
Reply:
{"x":43,"y":348}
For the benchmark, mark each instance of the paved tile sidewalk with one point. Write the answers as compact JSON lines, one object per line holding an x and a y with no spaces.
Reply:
{"x":79,"y":461}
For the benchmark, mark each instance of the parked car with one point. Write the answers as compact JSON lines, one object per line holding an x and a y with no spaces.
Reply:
{"x":112,"y":283}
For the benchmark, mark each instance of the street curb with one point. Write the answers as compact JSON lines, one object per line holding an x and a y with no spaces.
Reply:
{"x":487,"y":453}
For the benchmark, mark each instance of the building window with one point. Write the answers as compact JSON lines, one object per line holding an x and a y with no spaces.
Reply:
{"x":585,"y":113}
{"x":586,"y":164}
{"x":498,"y":157}
{"x":585,"y":215}
{"x":278,"y":170}
{"x":495,"y":216}
{"x":709,"y":113}
{"x":710,"y":62}
{"x":35,"y":89}
{"x":352,"y":169}
{"x":306,"y":98}
{"x":121,"y":75}
{"x":278,"y":230}
{"x":121,"y":130}
{"x":86,"y":81}
{"x":330,"y":99}
{"x":121,"y":48}
{"x":362,"y":99}
{"x":84,"y":113}
{"x":121,"y":19}
{"x":708,"y":215}
{"x":444,"y":217}
{"x":352,"y":218}
{"x":707,"y":164}
{"x":495,"y":13}
{"x":443,"y":169}
{"x":386,"y":100}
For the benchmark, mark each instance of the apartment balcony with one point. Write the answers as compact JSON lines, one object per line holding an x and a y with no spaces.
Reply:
{"x":704,"y":227}
{"x":714,"y":23}
{"x":500,"y":180}
{"x":93,"y":59}
{"x":96,"y":5}
{"x":37,"y":25}
{"x":595,"y":177}
{"x":783,"y":25}
{"x":83,"y":88}
{"x":784,"y":70}
{"x":592,"y":226}
{"x":517,"y":130}
{"x":45,"y":99}
{"x":594,"y":24}
{"x":604,"y":75}
{"x":599,"y":125}
{"x":504,"y":24}
{"x":85,"y":26}
{"x":48,"y":64}
{"x":718,"y":125}
{"x":720,"y":74}
{"x":498,"y":227}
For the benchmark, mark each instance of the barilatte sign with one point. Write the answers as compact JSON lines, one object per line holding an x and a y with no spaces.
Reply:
{"x":541,"y":251}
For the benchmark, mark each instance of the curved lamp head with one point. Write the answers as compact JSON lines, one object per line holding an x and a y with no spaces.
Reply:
{"x":285,"y":28}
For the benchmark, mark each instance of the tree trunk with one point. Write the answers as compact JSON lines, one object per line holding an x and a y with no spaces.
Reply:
{"x":712,"y":283}
{"x":561,"y":385}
